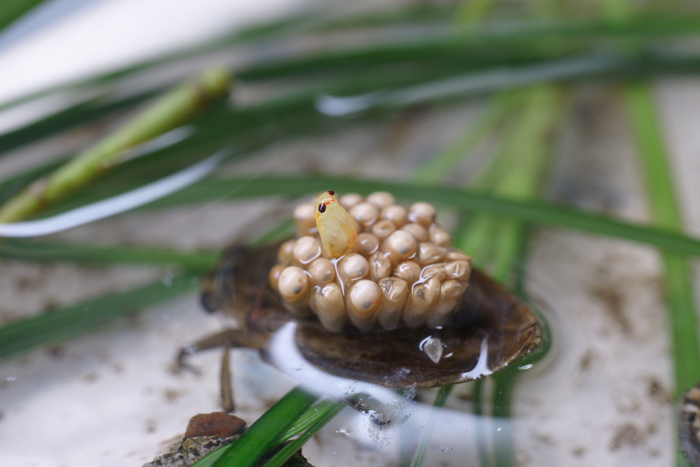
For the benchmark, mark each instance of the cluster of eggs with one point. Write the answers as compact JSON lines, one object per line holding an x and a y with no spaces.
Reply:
{"x":400,"y":269}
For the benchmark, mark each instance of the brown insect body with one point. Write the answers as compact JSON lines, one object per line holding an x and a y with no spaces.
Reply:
{"x":491,"y":328}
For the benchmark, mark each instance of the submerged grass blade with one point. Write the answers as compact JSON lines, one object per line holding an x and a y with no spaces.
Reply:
{"x":438,"y":404}
{"x":665,"y":212}
{"x":261,"y":436}
{"x":483,"y":422}
{"x":326,"y":415}
{"x":71,"y":321}
{"x":451,"y":53}
{"x":516,"y":172}
{"x":94,"y":254}
{"x":172,"y":110}
{"x":440,"y":165}
{"x":11,"y":10}
{"x":535,"y":212}
{"x":307,"y":424}
{"x":310,"y":418}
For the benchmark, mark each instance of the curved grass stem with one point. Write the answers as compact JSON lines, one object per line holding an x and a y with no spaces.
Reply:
{"x":170,"y":111}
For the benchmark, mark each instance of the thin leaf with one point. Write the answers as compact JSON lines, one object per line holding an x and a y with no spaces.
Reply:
{"x":535,"y":212}
{"x":665,"y":212}
{"x":457,"y":53}
{"x":93,"y":254}
{"x":258,"y":439}
{"x":11,"y":10}
{"x":64,"y":323}
{"x":174,"y":109}
{"x":438,"y":403}
{"x":310,"y":418}
{"x":328,"y":413}
{"x":453,"y":155}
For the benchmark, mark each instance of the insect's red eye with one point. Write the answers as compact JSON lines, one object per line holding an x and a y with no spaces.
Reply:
{"x":331,"y":192}
{"x":321,"y":208}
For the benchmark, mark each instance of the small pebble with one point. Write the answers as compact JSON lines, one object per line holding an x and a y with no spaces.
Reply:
{"x":218,"y":424}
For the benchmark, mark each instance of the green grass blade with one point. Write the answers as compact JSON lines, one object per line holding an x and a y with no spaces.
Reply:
{"x":483,"y":421}
{"x":496,"y":244}
{"x":453,"y":155}
{"x":10,"y":10}
{"x":665,"y":213}
{"x":174,"y":109}
{"x":535,"y":212}
{"x":323,"y":417}
{"x":71,"y":321}
{"x":94,"y":254}
{"x":664,"y":210}
{"x":438,"y":404}
{"x":309,"y":418}
{"x":455,"y":54}
{"x":261,"y":436}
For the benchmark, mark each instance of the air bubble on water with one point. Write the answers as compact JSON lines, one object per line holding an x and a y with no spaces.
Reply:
{"x":432,"y":346}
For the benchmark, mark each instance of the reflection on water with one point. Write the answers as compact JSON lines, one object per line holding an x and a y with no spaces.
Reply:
{"x":402,"y":418}
{"x":117,"y":204}
{"x":391,"y":423}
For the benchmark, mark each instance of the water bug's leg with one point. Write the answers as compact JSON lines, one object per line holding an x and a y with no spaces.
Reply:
{"x":234,"y":338}
{"x":227,"y":381}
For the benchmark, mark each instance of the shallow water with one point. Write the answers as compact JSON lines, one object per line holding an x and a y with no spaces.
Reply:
{"x":602,"y":396}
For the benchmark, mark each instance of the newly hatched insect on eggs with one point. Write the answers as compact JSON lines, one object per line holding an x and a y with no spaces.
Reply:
{"x":398,"y":268}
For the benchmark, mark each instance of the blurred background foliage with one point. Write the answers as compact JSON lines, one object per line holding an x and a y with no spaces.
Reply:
{"x":331,"y":69}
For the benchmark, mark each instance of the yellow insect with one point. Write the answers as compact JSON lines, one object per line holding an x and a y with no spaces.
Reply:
{"x":336,"y":227}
